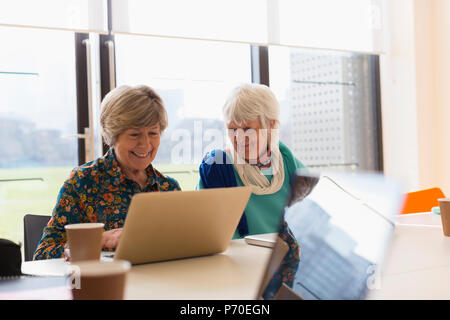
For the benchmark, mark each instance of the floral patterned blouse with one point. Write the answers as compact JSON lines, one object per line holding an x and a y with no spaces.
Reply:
{"x":97,"y":191}
{"x":289,"y":265}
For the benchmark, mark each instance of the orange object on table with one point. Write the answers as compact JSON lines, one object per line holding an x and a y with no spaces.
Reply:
{"x":422,"y":200}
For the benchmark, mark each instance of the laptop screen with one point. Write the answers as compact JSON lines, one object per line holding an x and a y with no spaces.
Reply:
{"x":343,"y":225}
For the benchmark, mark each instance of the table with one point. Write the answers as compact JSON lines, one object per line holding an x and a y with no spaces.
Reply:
{"x":233,"y":274}
{"x":417,"y":265}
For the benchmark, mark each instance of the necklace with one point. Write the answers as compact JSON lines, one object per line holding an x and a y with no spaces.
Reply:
{"x":263,"y":164}
{"x":266,"y":162}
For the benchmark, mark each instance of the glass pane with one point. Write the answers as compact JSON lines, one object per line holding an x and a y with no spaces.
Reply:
{"x":343,"y":234}
{"x":193,"y":78}
{"x":328,"y":106}
{"x":38,"y":116}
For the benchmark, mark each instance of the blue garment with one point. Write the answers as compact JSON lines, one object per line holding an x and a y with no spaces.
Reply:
{"x":218,"y":167}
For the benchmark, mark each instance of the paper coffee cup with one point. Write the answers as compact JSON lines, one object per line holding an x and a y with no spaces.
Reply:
{"x":85,"y":241}
{"x":98,"y":280}
{"x":444,"y":205}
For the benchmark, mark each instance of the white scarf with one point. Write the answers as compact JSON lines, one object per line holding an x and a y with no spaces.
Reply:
{"x":253,"y":177}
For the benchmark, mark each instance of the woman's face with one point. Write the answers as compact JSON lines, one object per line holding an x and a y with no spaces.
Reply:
{"x":135,"y":149}
{"x":249,"y":140}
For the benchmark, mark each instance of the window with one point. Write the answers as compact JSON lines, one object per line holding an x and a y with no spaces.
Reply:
{"x":193,"y":78}
{"x":329,"y":106}
{"x":329,"y":100}
{"x":38,"y":115}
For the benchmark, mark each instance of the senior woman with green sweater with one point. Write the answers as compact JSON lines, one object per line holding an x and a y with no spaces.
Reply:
{"x":258,"y":160}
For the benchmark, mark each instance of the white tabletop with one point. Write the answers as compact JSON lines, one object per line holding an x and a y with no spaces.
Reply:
{"x":417,"y":266}
{"x":418,"y":263}
{"x":233,"y":274}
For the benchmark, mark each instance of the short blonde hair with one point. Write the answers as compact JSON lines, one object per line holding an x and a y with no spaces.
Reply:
{"x":128,"y":107}
{"x":249,"y":102}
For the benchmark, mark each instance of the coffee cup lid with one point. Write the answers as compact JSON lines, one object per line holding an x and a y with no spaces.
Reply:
{"x":89,"y":225}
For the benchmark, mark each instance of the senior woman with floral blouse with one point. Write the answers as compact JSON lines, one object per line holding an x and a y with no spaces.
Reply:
{"x":132,"y":120}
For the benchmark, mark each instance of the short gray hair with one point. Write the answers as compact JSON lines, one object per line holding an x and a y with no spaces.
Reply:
{"x":128,"y":107}
{"x":249,"y":102}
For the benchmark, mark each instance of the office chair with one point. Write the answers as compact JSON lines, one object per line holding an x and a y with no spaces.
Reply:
{"x":422,"y":200}
{"x":33,"y":226}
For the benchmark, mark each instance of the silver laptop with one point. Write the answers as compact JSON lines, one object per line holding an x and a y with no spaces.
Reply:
{"x":163,"y":226}
{"x":343,"y":224}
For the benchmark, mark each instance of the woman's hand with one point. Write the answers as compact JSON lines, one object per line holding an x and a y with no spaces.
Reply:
{"x":110,"y":238}
{"x":66,"y":255}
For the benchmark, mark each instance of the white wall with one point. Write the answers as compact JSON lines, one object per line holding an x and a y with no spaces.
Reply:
{"x":415,"y":85}
{"x":426,"y":92}
{"x":398,"y":82}
{"x":442,"y":83}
